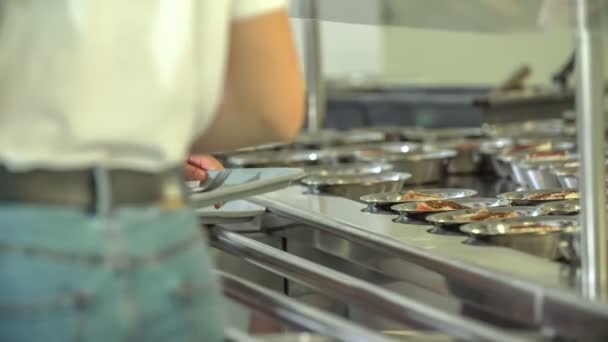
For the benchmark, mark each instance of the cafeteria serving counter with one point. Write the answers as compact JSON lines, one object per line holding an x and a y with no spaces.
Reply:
{"x":435,"y":282}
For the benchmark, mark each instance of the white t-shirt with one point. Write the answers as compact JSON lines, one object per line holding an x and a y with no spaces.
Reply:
{"x":117,"y":83}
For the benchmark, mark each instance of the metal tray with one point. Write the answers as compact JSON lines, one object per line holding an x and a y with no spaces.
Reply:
{"x":517,"y":197}
{"x":545,"y":244}
{"x":232,"y":212}
{"x":244,"y":183}
{"x":388,"y":199}
{"x":355,"y":186}
{"x":409,"y":209}
{"x":449,"y":220}
{"x":428,"y":166}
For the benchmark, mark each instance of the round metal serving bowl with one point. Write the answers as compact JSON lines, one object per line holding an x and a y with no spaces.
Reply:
{"x":539,"y":174}
{"x":385,"y":200}
{"x":355,"y":186}
{"x":426,"y":166}
{"x":515,"y":159}
{"x":562,"y":208}
{"x":568,"y":174}
{"x":410,"y":210}
{"x":468,"y":159}
{"x":452,"y":221}
{"x":490,"y":150}
{"x":518,"y":198}
{"x":522,"y":147}
{"x":520,"y":234}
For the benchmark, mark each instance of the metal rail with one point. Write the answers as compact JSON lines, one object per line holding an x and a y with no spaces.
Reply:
{"x":591,"y":130}
{"x":313,"y":59}
{"x":294,"y":313}
{"x":354,"y":290}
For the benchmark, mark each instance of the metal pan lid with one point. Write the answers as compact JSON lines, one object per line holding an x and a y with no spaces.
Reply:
{"x":368,"y":179}
{"x":540,"y":225}
{"x":387,"y":198}
{"x":473,"y":203}
{"x":530,"y":195}
{"x":456,"y":217}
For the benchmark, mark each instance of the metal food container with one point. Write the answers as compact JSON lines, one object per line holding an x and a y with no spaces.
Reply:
{"x":385,"y":200}
{"x":518,"y":198}
{"x":409,"y":209}
{"x":355,"y":186}
{"x":542,"y":243}
{"x":539,"y":174}
{"x":504,"y":152}
{"x":468,"y":159}
{"x":427,"y":166}
{"x":451,"y":221}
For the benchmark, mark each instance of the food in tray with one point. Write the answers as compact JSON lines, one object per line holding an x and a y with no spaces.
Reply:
{"x":486,"y":215}
{"x":419,"y":196}
{"x":525,"y":147}
{"x":439,"y":206}
{"x":548,"y":155}
{"x":538,"y":228}
{"x":551,"y":196}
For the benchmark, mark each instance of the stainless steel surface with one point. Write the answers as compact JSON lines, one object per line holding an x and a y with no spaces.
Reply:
{"x":539,"y":293}
{"x":518,"y":197}
{"x":352,"y":289}
{"x":279,"y":306}
{"x":408,"y":209}
{"x":425,"y":167}
{"x":591,"y":130}
{"x":541,"y":243}
{"x":313,"y":59}
{"x":451,"y":220}
{"x":568,"y":207}
{"x":353,"y":187}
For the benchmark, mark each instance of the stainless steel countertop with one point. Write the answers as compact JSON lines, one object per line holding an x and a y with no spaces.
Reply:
{"x":502,"y":261}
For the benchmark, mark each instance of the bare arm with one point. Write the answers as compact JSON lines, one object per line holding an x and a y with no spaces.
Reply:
{"x":263,"y":98}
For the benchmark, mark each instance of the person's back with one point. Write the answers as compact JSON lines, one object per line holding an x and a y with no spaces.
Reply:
{"x":126,"y":84}
{"x":100,"y":102}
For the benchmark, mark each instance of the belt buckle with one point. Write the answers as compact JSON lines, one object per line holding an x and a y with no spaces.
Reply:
{"x":173,"y":193}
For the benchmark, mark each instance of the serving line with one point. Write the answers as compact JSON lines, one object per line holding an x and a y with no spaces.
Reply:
{"x":523,"y":286}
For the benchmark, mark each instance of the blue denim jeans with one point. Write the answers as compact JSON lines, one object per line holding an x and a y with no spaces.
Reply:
{"x":130,"y":274}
